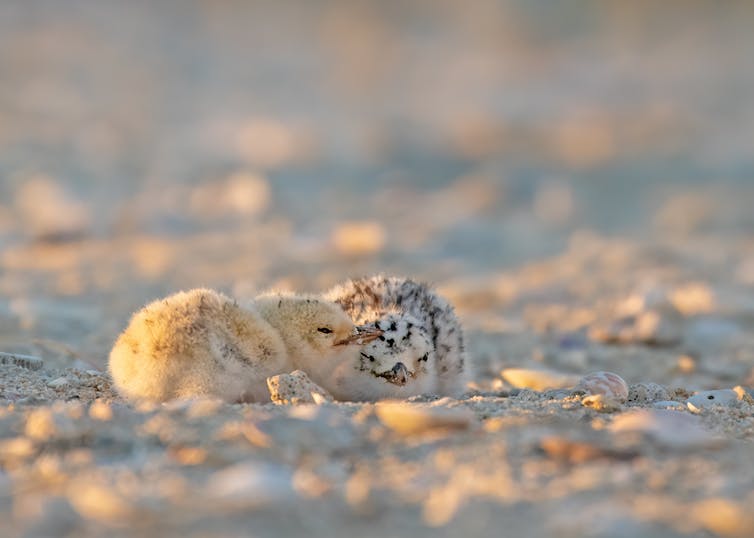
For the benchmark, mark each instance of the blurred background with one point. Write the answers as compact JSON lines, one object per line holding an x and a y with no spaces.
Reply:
{"x":147,"y":147}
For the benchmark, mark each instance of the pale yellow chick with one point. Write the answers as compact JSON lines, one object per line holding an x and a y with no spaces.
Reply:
{"x":203,"y":343}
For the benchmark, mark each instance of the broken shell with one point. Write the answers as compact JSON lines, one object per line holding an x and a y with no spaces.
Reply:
{"x":539,"y":380}
{"x":610,"y":385}
{"x":24,"y":361}
{"x":708,"y":398}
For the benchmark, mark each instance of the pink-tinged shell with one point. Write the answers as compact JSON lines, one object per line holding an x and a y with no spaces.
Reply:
{"x":606,"y":383}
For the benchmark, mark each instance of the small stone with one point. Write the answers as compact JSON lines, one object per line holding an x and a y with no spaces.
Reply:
{"x":709,"y":398}
{"x":59,"y":383}
{"x":296,"y":388}
{"x":409,"y":419}
{"x":539,"y":380}
{"x":647,"y":393}
{"x":608,"y":384}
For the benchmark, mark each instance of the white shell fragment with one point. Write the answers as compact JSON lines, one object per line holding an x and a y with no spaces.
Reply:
{"x":709,"y":398}
{"x":24,"y":361}
{"x":296,"y":388}
{"x":539,"y":380}
{"x":608,"y":384}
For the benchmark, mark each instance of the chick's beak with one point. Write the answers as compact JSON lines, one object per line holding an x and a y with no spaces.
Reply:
{"x":360,"y":336}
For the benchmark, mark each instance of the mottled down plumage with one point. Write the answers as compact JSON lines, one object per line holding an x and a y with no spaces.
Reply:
{"x":420,"y":330}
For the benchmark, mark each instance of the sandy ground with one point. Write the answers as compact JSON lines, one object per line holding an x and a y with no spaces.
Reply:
{"x":577,"y":182}
{"x":77,"y":461}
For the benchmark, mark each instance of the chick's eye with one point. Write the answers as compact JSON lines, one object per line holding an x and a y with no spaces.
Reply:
{"x":325,"y":330}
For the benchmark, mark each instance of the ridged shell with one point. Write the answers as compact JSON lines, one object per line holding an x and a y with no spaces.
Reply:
{"x":606,"y":383}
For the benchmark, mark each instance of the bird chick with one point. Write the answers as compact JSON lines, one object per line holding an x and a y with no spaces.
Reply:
{"x":319,"y":336}
{"x":422,"y":347}
{"x":398,"y":364}
{"x":203,"y":343}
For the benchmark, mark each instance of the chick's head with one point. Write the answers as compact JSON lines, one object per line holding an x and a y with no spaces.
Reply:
{"x":398,"y":364}
{"x":317,"y":333}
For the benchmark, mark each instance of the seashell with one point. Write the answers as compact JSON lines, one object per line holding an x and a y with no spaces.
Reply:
{"x":708,"y":398}
{"x":24,"y":361}
{"x":539,"y":380}
{"x":601,"y":403}
{"x":610,"y":385}
{"x":647,"y":392}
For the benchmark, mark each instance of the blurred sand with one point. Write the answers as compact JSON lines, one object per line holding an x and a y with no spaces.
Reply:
{"x":577,"y":179}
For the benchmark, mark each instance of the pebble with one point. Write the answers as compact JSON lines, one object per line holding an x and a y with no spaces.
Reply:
{"x":58,"y":383}
{"x":408,"y":419}
{"x":607,"y":384}
{"x":539,"y":380}
{"x":296,"y":388}
{"x":647,"y":393}
{"x":670,"y":429}
{"x":709,"y":398}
